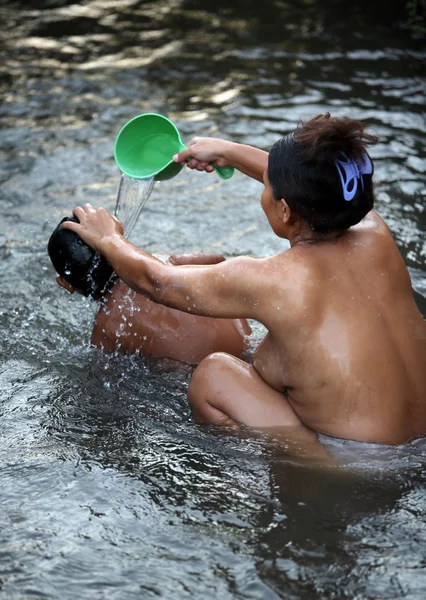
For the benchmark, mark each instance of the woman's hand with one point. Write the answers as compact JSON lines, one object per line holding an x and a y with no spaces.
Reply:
{"x":202,"y":151}
{"x":95,"y":225}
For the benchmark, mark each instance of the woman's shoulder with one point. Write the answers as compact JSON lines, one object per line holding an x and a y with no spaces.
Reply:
{"x":373,"y":222}
{"x":375,"y":237}
{"x":377,"y":242}
{"x":291,"y":275}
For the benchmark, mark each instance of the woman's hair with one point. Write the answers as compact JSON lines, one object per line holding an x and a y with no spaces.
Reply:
{"x":83,"y":268}
{"x":302,"y":170}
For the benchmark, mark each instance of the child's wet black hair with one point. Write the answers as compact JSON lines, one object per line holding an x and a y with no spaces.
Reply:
{"x":302,"y":171}
{"x":83,"y":268}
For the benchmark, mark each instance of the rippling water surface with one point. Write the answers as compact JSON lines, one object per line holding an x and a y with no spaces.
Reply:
{"x":108,"y":489}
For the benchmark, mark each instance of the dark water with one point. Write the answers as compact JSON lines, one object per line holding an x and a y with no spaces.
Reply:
{"x":108,"y":489}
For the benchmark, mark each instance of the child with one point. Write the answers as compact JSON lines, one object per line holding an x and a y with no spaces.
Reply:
{"x":130,"y":322}
{"x":345,"y":353}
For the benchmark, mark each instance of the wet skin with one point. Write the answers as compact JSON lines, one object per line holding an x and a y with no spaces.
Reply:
{"x":132,"y":324}
{"x":352,"y":357}
{"x":345,"y":353}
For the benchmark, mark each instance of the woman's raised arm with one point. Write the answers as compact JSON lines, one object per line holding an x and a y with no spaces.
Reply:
{"x":201,"y":152}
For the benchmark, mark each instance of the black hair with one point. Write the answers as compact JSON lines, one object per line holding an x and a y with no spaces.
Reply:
{"x":302,"y":171}
{"x":83,"y":268}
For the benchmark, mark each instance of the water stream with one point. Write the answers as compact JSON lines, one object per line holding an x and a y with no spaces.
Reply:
{"x":108,"y":488}
{"x":132,"y":196}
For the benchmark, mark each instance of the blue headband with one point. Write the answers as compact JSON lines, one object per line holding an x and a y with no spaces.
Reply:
{"x":350,"y":172}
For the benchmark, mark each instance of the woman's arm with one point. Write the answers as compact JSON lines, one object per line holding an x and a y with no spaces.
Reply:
{"x":224,"y":290}
{"x":228,"y":289}
{"x":201,"y":152}
{"x":196,"y":258}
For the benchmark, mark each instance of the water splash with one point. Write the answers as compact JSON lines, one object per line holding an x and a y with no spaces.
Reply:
{"x":131,"y":198}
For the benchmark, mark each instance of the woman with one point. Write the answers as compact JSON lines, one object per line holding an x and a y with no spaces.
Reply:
{"x":345,"y":353}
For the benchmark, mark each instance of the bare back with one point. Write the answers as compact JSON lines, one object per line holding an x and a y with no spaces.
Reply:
{"x":350,"y":350}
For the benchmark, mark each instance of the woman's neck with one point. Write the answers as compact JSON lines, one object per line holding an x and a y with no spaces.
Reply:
{"x":302,"y":234}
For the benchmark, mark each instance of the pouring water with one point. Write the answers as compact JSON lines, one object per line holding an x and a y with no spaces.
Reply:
{"x":143,"y":151}
{"x":131,"y":198}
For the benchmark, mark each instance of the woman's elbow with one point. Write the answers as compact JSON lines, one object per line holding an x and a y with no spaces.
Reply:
{"x":150,"y":288}
{"x":160,"y":290}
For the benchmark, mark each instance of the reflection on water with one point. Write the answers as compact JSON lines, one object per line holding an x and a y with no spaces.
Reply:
{"x":108,"y":488}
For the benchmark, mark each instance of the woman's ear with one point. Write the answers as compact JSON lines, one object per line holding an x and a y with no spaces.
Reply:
{"x":286,"y":212}
{"x":64,"y":284}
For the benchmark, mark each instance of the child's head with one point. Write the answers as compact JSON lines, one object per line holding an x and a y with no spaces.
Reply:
{"x":303,"y":171}
{"x":75,"y":262}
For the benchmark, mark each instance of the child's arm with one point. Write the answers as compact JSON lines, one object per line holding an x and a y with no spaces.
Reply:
{"x":202,"y":152}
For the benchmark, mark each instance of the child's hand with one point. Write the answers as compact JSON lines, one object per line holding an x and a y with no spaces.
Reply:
{"x":202,"y":152}
{"x":95,"y":225}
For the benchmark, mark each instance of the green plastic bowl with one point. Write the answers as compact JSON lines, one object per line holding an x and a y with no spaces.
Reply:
{"x":145,"y":147}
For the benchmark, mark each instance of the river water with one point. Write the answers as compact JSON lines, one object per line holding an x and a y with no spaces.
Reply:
{"x":108,"y":488}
